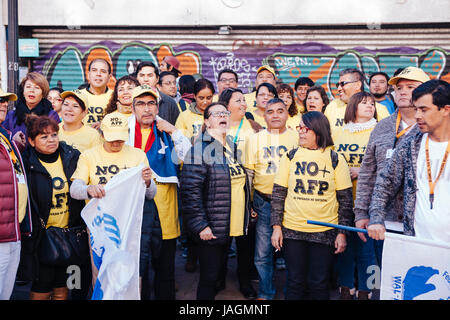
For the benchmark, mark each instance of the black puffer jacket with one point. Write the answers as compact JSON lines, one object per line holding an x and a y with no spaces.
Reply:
{"x":205,"y":186}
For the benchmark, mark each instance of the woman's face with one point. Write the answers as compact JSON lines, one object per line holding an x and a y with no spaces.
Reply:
{"x":71,"y":111}
{"x":237,"y":105}
{"x":263,"y":96}
{"x":307,"y":137}
{"x":286,"y":97}
{"x":125,"y":93}
{"x":32,"y":93}
{"x":314,"y":102}
{"x":46,"y":142}
{"x":55,"y":98}
{"x":365,"y":110}
{"x":218,"y":120}
{"x":203,"y":98}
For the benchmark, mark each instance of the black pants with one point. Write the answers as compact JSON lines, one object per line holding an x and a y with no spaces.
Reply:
{"x":165,"y":271}
{"x":245,"y":249}
{"x":308,"y":269}
{"x":212,"y":259}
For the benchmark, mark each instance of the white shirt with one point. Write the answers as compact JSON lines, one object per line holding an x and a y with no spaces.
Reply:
{"x":432,"y":224}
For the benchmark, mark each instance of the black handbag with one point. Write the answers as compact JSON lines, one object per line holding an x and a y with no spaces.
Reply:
{"x":64,"y":246}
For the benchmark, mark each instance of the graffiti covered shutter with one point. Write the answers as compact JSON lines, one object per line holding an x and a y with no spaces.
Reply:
{"x":318,"y":53}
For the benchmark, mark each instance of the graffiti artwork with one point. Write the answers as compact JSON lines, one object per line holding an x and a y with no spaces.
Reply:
{"x":65,"y":64}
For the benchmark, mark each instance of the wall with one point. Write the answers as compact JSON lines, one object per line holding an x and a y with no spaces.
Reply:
{"x":65,"y":63}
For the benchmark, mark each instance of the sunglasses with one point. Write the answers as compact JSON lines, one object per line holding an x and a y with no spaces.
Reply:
{"x":302,"y":129}
{"x":4,"y":99}
{"x":343,"y":83}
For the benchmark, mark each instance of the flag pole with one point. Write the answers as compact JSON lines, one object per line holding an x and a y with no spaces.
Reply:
{"x":332,"y":225}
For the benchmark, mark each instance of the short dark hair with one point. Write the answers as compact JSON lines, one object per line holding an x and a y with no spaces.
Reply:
{"x":269,"y":87}
{"x":206,"y":113}
{"x":228,"y":71}
{"x":302,"y":81}
{"x":439,"y":90}
{"x":60,"y":90}
{"x":186,"y":84}
{"x":146,"y":64}
{"x":352,"y":106}
{"x":322,"y":93}
{"x":37,"y":125}
{"x":319,"y":123}
{"x":274,"y":101}
{"x":384,"y":74}
{"x":201,"y":84}
{"x":226,"y":95}
{"x":100,"y":59}
{"x":164,"y":74}
{"x":356,"y":72}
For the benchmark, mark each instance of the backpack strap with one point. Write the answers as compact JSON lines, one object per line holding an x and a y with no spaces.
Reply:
{"x":182,"y":104}
{"x":334,"y":158}
{"x":291,"y":154}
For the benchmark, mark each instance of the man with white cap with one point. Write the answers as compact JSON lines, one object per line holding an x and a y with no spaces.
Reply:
{"x":165,"y":147}
{"x":385,"y":138}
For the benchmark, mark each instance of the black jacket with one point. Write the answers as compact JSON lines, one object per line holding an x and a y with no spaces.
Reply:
{"x":168,"y":108}
{"x":40,"y":187}
{"x":205,"y":186}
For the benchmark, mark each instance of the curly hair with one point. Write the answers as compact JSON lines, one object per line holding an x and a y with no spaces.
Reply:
{"x":285,"y":88}
{"x":112,"y":104}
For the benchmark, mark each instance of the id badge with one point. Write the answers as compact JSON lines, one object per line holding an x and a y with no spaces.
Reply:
{"x":21,"y":178}
{"x":389,"y":153}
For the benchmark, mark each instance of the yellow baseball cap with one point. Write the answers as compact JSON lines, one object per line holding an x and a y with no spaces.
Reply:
{"x":410,"y":73}
{"x":115,"y":127}
{"x":266,"y":67}
{"x":139,"y":90}
{"x":11,"y":96}
{"x":77,"y":93}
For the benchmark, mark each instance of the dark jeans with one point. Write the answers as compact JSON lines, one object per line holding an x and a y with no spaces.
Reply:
{"x":245,"y":248}
{"x":212,"y":259}
{"x":308,"y":269}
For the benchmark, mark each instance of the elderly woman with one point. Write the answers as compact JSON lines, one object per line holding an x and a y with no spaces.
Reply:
{"x":316,"y":99}
{"x":49,"y":164}
{"x":32,"y":98}
{"x":351,"y":141}
{"x":214,"y":197}
{"x":312,"y":183}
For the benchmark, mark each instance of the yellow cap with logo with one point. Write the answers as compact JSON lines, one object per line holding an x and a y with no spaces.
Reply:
{"x":77,"y":93}
{"x":140,"y":90}
{"x":410,"y":73}
{"x":115,"y":127}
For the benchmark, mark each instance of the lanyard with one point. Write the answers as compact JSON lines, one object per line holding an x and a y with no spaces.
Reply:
{"x":237,"y":132}
{"x":397,"y":125}
{"x":444,"y":161}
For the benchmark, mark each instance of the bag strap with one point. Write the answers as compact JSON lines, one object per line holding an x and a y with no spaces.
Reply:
{"x":334,"y":158}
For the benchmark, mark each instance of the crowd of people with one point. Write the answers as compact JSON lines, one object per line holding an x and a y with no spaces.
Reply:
{"x":223,"y":166}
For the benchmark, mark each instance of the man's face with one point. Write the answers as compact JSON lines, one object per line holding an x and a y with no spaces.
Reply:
{"x":301,"y":91}
{"x":378,"y":86}
{"x":276,"y":115}
{"x":428,"y":116}
{"x":227,"y":80}
{"x":147,"y":75}
{"x":145,"y":109}
{"x":265,"y":76}
{"x":168,"y":85}
{"x":403,"y":92}
{"x":164,"y":66}
{"x":351,"y":86}
{"x":98,"y":75}
{"x":3,"y":108}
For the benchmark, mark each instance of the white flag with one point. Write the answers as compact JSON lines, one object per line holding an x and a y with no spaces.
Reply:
{"x":414,"y":269}
{"x":114,"y":222}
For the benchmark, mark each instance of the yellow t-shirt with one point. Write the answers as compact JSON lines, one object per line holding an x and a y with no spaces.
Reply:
{"x":97,"y":106}
{"x":127,"y":115}
{"x":237,"y":212}
{"x":240,"y":136}
{"x":81,"y":139}
{"x":352,"y":146}
{"x":312,"y":184}
{"x":258,"y":119}
{"x":97,"y":166}
{"x":166,"y":201}
{"x":189,"y":123}
{"x":335,"y":112}
{"x":263,"y":153}
{"x":250,"y":99}
{"x":59,"y":211}
{"x":293,"y":122}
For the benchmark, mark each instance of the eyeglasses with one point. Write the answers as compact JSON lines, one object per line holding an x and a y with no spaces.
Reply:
{"x":220,"y":114}
{"x":302,"y":129}
{"x":343,"y":83}
{"x":230,"y":80}
{"x":142,"y":104}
